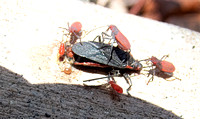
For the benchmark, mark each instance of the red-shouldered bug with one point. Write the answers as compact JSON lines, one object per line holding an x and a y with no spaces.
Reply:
{"x":74,"y":31}
{"x":116,"y":87}
{"x":62,"y":49}
{"x":116,"y":36}
{"x":122,"y":41}
{"x":97,"y":54}
{"x":163,"y":68}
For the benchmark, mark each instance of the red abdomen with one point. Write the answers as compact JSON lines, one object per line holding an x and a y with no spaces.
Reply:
{"x":167,"y":66}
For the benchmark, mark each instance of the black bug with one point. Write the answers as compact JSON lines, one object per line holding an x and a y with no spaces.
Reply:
{"x":97,"y":54}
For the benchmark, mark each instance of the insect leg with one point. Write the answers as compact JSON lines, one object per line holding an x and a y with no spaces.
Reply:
{"x":164,"y":57}
{"x":128,"y":80}
{"x":152,"y":77}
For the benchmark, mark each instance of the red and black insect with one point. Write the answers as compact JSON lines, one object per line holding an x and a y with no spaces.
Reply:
{"x":116,"y":87}
{"x":97,"y":54}
{"x":122,"y":41}
{"x":116,"y":36}
{"x":74,"y":31}
{"x":163,"y":68}
{"x":94,"y":51}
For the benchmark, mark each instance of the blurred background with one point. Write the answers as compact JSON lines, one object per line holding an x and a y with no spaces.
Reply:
{"x":184,"y":13}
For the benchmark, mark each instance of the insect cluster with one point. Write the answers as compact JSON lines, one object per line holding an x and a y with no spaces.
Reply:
{"x":101,"y":54}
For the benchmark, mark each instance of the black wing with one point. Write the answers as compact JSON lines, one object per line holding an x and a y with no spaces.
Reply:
{"x":101,"y":53}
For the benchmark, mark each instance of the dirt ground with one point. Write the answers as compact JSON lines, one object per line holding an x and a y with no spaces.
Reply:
{"x":32,"y":85}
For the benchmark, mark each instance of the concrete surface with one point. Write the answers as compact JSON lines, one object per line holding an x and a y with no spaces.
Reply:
{"x":33,"y":86}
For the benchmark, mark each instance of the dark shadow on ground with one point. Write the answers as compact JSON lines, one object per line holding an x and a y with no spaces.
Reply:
{"x":20,"y":99}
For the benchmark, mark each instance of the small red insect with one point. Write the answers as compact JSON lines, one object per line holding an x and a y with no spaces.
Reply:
{"x":69,"y":52}
{"x":116,"y":87}
{"x":116,"y":36}
{"x":163,"y":65}
{"x":75,"y":27}
{"x":74,"y":31}
{"x":122,"y":41}
{"x":163,"y":68}
{"x":62,"y":49}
